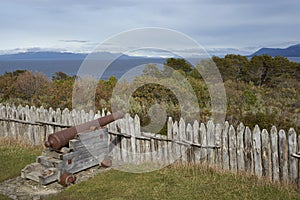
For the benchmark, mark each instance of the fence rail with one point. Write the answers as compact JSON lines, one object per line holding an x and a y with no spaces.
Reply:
{"x":259,"y":152}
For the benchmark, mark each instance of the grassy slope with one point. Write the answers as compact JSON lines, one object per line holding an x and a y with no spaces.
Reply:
{"x":14,"y":157}
{"x":175,"y":182}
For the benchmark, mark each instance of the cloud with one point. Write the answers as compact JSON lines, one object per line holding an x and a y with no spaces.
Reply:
{"x":212,"y":23}
{"x":75,"y":41}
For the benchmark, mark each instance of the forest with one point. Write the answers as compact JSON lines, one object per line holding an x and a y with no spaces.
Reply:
{"x":261,"y":90}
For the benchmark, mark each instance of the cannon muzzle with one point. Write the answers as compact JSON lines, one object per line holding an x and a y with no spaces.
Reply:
{"x":62,"y":138}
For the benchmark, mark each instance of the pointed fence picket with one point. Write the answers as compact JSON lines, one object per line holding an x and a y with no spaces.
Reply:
{"x":263,"y":153}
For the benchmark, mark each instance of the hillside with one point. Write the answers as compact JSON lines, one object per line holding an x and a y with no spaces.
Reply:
{"x":291,"y":51}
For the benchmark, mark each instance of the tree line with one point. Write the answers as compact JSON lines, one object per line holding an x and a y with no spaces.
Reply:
{"x":261,"y":90}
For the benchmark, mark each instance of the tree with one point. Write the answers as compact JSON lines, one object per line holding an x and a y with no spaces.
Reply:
{"x":231,"y":66}
{"x":258,"y":69}
{"x":59,"y":76}
{"x":152,"y":70}
{"x":31,"y":85}
{"x":177,"y":64}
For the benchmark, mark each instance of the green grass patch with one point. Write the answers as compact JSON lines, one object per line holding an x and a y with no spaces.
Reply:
{"x":14,"y":156}
{"x":173,"y":182}
{"x":177,"y":182}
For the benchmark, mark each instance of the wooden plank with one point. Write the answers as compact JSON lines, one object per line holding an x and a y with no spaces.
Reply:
{"x":210,"y":134}
{"x":166,"y":151}
{"x":139,"y":143}
{"x":111,"y":145}
{"x":240,"y":147}
{"x":182,"y":136}
{"x":79,"y":165}
{"x":274,"y":154}
{"x":147,"y":151}
{"x":218,"y":142}
{"x":114,"y":148}
{"x":175,"y":146}
{"x":196,"y":140}
{"x":19,"y":121}
{"x":203,"y":151}
{"x":124,"y":150}
{"x":48,"y":162}
{"x":153,"y":151}
{"x":169,"y":152}
{"x":283,"y":157}
{"x":190,"y":137}
{"x":232,"y":149}
{"x":129,"y":149}
{"x":225,"y":148}
{"x":293,"y":162}
{"x":118,"y":149}
{"x":266,"y":155}
{"x":170,"y":128}
{"x":132,"y":139}
{"x":257,"y":151}
{"x":159,"y":151}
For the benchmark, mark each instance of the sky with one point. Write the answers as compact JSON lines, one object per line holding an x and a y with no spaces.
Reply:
{"x":80,"y":25}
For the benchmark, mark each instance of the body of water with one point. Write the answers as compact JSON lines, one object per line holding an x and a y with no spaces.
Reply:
{"x":70,"y":67}
{"x":294,"y":59}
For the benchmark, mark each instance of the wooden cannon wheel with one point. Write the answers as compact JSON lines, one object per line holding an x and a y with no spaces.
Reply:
{"x":67,"y":179}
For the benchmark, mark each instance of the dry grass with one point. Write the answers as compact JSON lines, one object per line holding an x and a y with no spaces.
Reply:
{"x":178,"y":182}
{"x":173,"y":182}
{"x":14,"y":156}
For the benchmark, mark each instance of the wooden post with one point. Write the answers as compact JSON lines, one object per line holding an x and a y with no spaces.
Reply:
{"x":274,"y":154}
{"x":190,"y":138}
{"x":182,"y":136}
{"x":248,"y":145}
{"x":175,"y":147}
{"x":218,"y":143}
{"x":196,"y":140}
{"x":203,"y":152}
{"x":211,"y":142}
{"x":139,"y":145}
{"x":225,"y":156}
{"x":283,"y":157}
{"x":257,"y":151}
{"x":293,"y":162}
{"x":170,"y":137}
{"x":232,"y":149}
{"x":266,"y":155}
{"x":132,"y":140}
{"x":240,"y":147}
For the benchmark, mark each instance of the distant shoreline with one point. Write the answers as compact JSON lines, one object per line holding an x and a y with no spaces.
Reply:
{"x":70,"y":67}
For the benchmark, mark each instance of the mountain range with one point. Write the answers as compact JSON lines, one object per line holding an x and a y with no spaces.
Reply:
{"x":291,"y":51}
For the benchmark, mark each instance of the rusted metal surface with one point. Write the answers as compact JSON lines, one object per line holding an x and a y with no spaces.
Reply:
{"x":62,"y":138}
{"x":106,"y":163}
{"x":67,"y":179}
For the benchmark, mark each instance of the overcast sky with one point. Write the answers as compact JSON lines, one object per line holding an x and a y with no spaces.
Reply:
{"x":79,"y":25}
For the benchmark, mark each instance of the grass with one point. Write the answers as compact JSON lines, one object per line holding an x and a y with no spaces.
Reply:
{"x":14,"y":156}
{"x":173,"y":182}
{"x":177,"y":182}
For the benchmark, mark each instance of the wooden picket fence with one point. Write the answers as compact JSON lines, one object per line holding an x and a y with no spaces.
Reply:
{"x":259,"y":152}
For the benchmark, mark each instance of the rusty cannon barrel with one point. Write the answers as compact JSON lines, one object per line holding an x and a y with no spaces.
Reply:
{"x":62,"y":138}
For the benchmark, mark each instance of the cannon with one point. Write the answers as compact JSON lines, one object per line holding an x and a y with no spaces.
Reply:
{"x":62,"y":138}
{"x":72,"y":150}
